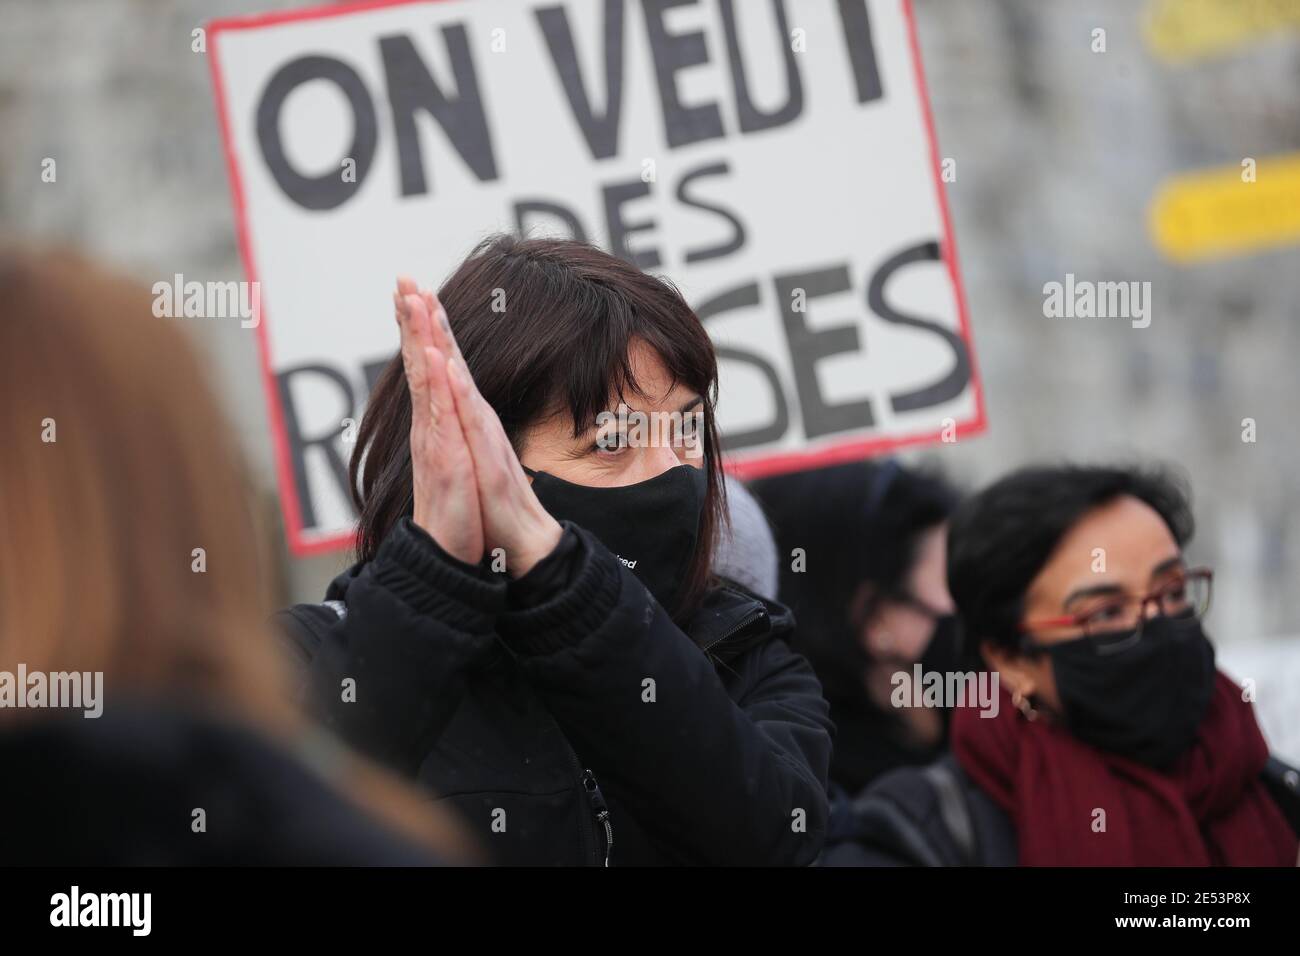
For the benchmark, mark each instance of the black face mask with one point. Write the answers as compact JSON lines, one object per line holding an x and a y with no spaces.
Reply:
{"x":653,"y":527}
{"x":1145,"y":702}
{"x":942,"y":654}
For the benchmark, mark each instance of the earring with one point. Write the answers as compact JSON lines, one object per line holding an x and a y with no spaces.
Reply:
{"x":1024,"y":706}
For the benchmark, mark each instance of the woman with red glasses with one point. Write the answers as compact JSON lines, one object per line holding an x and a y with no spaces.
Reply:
{"x":1117,"y":741}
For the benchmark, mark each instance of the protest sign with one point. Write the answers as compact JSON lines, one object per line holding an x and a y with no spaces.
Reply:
{"x":775,"y":160}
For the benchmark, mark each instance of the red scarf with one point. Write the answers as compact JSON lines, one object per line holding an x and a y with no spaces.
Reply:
{"x":1210,"y":809}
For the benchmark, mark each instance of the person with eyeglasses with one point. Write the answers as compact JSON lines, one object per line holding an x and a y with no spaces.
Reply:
{"x":1117,"y":742}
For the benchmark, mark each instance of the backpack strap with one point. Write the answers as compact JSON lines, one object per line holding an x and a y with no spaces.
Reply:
{"x":882,"y":823}
{"x":1282,"y":782}
{"x":953,"y":810}
{"x":917,"y":816}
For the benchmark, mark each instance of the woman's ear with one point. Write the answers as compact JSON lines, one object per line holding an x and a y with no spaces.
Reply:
{"x":1014,"y":669}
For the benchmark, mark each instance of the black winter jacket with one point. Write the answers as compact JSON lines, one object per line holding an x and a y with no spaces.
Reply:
{"x":919,"y":816}
{"x":121,"y":789}
{"x":586,"y":728}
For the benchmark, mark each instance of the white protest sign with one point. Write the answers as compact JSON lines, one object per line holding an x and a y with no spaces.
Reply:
{"x":773,"y":158}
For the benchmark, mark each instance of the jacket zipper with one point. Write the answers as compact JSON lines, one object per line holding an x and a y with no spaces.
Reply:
{"x":746,"y":622}
{"x":584,"y":829}
{"x":602,"y":809}
{"x":589,"y":783}
{"x":585,"y":836}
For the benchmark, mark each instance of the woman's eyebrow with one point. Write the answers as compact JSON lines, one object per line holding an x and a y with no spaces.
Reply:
{"x":1097,"y":590}
{"x":1175,"y":563}
{"x":596,"y":426}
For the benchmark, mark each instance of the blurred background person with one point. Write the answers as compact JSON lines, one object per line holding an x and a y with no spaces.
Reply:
{"x":746,"y":551}
{"x":1117,"y":741}
{"x":862,"y":555}
{"x":129,"y":550}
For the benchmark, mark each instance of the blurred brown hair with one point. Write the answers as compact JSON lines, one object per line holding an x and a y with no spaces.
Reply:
{"x":99,"y":526}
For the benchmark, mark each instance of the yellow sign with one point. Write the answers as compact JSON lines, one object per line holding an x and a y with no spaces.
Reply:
{"x":1228,"y":211}
{"x":1179,"y":30}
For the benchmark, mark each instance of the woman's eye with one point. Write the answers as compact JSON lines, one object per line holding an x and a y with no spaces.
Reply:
{"x":1175,"y":596}
{"x":1107,"y":612}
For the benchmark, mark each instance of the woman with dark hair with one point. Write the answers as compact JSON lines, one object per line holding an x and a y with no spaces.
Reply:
{"x":1116,"y":740}
{"x":862,"y":568}
{"x":532,"y":629}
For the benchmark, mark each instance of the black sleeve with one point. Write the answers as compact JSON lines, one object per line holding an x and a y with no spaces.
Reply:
{"x":549,"y":576}
{"x":416,"y":620}
{"x":730,"y":768}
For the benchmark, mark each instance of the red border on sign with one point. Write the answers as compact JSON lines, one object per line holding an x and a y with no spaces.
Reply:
{"x":291,"y":508}
{"x":754,"y":468}
{"x":855,"y":450}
